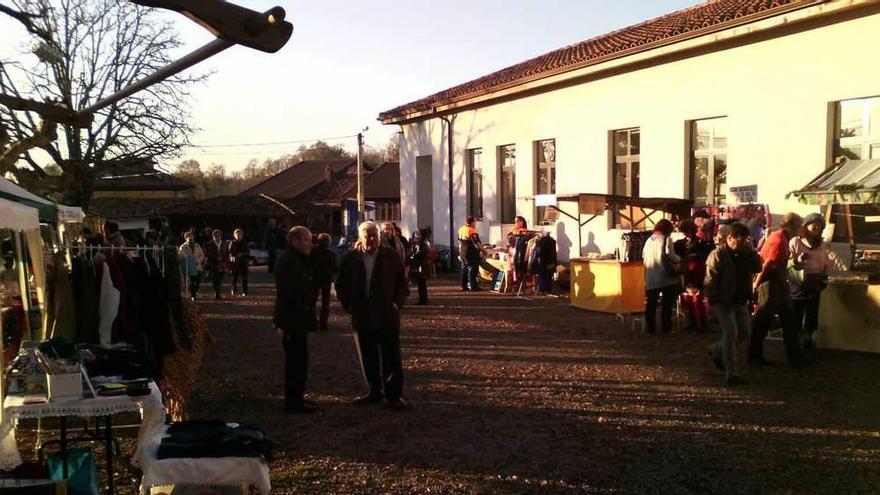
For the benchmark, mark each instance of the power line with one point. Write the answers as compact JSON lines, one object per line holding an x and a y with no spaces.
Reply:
{"x":273,"y":143}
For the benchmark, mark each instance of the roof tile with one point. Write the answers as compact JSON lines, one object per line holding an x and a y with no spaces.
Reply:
{"x":713,"y":13}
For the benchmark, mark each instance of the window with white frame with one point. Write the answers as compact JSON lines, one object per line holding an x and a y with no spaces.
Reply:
{"x":507,"y":178}
{"x":475,"y":183}
{"x":857,"y":133}
{"x":387,"y":211}
{"x":625,"y":164}
{"x":545,"y":174}
{"x":708,"y":170}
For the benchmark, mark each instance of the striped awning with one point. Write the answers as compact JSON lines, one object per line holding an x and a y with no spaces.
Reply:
{"x":852,"y":182}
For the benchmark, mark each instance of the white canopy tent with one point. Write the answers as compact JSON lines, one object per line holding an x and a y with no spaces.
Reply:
{"x":16,"y":216}
{"x":50,"y":210}
{"x":24,"y":219}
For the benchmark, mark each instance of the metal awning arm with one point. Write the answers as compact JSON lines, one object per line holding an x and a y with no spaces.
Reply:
{"x":591,"y":219}
{"x":569,"y":215}
{"x":231,"y":24}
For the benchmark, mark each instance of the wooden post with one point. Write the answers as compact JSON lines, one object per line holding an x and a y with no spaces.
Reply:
{"x":23,"y":283}
{"x":851,"y":234}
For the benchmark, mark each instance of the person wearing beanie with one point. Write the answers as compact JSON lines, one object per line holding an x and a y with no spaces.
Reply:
{"x":807,"y":274}
{"x":774,"y":296}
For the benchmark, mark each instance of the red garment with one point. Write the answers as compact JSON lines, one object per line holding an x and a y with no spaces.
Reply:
{"x":122,"y":325}
{"x":695,"y":307}
{"x":775,"y":251}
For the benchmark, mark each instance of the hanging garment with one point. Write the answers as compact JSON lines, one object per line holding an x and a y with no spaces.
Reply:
{"x":174,"y":299}
{"x":546,"y":252}
{"x":153,"y":324}
{"x":520,"y":260}
{"x":63,"y":320}
{"x":530,"y":254}
{"x":86,"y":287}
{"x":122,"y":325}
{"x":108,"y":305}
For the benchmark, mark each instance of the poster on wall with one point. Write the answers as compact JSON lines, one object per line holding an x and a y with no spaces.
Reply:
{"x":745,"y":194}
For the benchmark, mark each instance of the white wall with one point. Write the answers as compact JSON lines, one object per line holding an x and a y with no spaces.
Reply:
{"x":775,"y":93}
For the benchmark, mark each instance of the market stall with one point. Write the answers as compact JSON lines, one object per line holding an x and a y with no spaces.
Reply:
{"x":849,"y":315}
{"x":23,"y":279}
{"x":14,"y":219}
{"x":615,"y":283}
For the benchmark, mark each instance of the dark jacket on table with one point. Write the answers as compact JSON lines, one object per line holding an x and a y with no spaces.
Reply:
{"x":374,"y":308}
{"x":323,"y":265}
{"x":215,"y":258}
{"x":239,"y":250}
{"x":729,"y":275}
{"x":295,"y":293}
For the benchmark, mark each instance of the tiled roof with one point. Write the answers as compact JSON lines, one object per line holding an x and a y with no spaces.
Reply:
{"x":151,"y":181}
{"x":123,"y":209}
{"x":230,"y":206}
{"x":383,"y":183}
{"x":711,"y":15}
{"x":299,"y":178}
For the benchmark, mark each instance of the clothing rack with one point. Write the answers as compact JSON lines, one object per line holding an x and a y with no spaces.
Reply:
{"x":91,"y":250}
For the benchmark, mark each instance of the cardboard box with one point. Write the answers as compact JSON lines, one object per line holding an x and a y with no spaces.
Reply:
{"x":65,"y":386}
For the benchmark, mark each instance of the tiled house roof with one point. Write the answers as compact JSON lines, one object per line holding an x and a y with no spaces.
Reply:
{"x":383,"y":183}
{"x":709,"y":16}
{"x":127,"y":208}
{"x":299,"y":178}
{"x":152,"y":181}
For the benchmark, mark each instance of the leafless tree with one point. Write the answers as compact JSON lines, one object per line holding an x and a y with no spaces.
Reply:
{"x":86,"y":50}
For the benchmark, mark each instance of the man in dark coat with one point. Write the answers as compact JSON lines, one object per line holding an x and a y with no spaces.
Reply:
{"x":372,"y":288}
{"x":324,"y":272}
{"x":295,"y":315}
{"x":240,"y":253}
{"x":216,"y":257}
{"x":274,"y":240}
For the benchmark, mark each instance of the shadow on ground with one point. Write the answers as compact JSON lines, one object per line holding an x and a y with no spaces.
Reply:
{"x":514,"y":396}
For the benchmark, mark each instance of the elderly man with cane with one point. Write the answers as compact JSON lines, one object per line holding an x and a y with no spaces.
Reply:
{"x":372,"y":288}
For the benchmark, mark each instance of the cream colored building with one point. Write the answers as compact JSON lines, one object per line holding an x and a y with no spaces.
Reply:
{"x":726,"y":93}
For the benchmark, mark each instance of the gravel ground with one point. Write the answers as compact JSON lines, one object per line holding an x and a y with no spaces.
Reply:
{"x":517,"y":396}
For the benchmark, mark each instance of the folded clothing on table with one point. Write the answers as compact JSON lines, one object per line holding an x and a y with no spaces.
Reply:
{"x":211,"y":438}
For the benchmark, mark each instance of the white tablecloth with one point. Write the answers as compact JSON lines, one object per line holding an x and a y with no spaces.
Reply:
{"x":205,"y":471}
{"x":14,"y":408}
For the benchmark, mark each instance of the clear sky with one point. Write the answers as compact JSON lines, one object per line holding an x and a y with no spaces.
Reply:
{"x":349,"y":60}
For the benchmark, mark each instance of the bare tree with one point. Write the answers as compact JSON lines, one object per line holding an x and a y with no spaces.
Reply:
{"x":87,"y":50}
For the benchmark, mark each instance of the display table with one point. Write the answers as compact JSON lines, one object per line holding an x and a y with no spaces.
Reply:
{"x":203,"y":471}
{"x":498,"y":265}
{"x":849,"y":317}
{"x":608,"y":286}
{"x":14,"y":409}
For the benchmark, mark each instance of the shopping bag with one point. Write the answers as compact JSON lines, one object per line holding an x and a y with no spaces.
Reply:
{"x":82,"y":471}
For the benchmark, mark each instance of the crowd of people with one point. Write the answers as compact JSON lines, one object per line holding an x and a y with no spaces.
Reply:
{"x":748,"y":285}
{"x":371,"y":282}
{"x":211,"y":256}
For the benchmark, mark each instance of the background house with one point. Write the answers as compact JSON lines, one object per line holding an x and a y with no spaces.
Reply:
{"x":321,"y":194}
{"x":135,"y":194}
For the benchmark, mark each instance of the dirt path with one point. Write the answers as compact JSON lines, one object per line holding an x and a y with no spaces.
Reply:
{"x":511,"y":396}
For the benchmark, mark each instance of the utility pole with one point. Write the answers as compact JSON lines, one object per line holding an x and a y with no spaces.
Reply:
{"x":360,"y":177}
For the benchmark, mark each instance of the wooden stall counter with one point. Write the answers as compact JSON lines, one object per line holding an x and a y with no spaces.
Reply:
{"x":849,"y":317}
{"x":608,"y":286}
